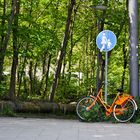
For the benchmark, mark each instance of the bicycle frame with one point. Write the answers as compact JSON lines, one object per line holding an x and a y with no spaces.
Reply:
{"x":119,"y":99}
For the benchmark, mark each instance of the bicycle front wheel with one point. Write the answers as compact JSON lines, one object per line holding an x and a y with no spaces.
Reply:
{"x":124,"y":112}
{"x":81,"y":109}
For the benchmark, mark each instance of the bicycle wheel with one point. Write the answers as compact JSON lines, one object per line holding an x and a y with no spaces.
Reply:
{"x":124,"y":112}
{"x":83,"y":113}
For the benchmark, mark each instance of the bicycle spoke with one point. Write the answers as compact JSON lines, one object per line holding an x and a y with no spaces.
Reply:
{"x":84,"y":113}
{"x":124,"y":112}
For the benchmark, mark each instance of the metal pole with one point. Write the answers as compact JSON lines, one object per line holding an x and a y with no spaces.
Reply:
{"x":101,"y":8}
{"x":133,"y":18}
{"x":106,"y":75}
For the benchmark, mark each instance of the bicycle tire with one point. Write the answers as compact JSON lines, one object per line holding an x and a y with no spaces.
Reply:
{"x":81,"y":109}
{"x":126,"y":111}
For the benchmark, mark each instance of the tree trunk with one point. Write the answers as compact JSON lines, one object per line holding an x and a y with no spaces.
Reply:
{"x":62,"y":51}
{"x":31,"y":78}
{"x":100,"y":60}
{"x":15,"y":54}
{"x":21,"y":74}
{"x":100,"y":63}
{"x":125,"y":59}
{"x":44,"y":63}
{"x":92,"y":60}
{"x":47,"y":76}
{"x":3,"y":23}
{"x":6,"y":40}
{"x":38,"y":107}
{"x":35,"y":84}
{"x":23,"y":69}
{"x":72,"y":42}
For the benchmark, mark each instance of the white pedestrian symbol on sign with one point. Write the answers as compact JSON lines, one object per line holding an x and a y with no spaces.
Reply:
{"x":105,"y":42}
{"x":109,"y":44}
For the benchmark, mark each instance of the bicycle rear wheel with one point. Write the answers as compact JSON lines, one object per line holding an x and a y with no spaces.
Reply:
{"x":83,"y":113}
{"x":124,"y":112}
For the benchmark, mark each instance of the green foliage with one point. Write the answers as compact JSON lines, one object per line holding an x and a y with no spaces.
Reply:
{"x":7,"y":110}
{"x":40,"y":33}
{"x":4,"y":87}
{"x":136,"y":118}
{"x":69,"y":91}
{"x":3,"y":91}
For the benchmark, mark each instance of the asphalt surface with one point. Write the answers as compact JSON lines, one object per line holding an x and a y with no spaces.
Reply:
{"x":59,"y":129}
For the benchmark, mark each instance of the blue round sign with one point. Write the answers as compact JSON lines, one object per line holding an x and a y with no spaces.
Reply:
{"x":106,"y":40}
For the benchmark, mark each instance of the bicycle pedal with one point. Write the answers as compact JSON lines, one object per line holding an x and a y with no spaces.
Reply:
{"x":87,"y":108}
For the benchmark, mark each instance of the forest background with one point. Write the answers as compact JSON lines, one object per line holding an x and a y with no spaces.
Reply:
{"x":48,"y":48}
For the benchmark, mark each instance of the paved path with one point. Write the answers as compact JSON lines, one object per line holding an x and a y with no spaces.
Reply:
{"x":55,"y":129}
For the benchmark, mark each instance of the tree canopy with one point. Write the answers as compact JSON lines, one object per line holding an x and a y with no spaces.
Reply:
{"x":48,"y":48}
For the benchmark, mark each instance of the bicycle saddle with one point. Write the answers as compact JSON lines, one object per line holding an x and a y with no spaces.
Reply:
{"x":120,"y":90}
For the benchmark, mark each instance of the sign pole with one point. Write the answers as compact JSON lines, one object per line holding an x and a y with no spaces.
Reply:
{"x":106,"y":41}
{"x":106,"y":75}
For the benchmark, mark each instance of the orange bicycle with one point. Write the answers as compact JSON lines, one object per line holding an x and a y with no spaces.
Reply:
{"x":123,"y":107}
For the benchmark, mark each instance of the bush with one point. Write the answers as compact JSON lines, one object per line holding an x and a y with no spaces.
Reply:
{"x":6,"y":109}
{"x":136,"y":117}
